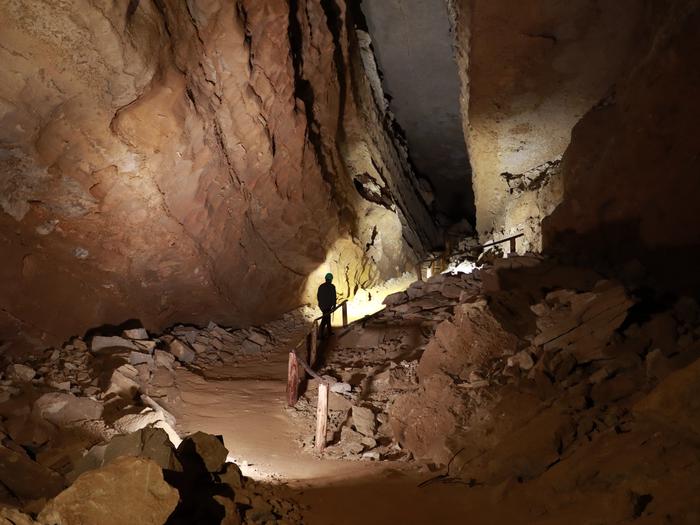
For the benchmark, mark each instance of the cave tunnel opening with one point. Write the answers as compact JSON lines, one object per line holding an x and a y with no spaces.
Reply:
{"x":177,"y":179}
{"x":414,"y":45}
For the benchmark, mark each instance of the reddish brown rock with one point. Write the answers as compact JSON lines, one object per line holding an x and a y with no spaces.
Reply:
{"x":161,"y":161}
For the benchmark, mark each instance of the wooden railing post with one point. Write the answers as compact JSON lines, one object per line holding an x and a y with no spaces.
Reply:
{"x":292,"y":379}
{"x":313,"y":344}
{"x":321,"y":416}
{"x":419,"y":271}
{"x":512,"y":245}
{"x":345,"y":314}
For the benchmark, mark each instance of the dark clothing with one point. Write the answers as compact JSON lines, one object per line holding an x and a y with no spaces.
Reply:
{"x":326,"y":297}
{"x":325,"y":325}
{"x":326,"y":302}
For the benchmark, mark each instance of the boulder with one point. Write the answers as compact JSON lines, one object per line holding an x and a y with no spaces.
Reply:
{"x":181,"y":351}
{"x":27,"y":479}
{"x":522,"y":360}
{"x":582,"y":323}
{"x":364,"y":421}
{"x":15,"y":517}
{"x":19,"y":372}
{"x":350,"y":442}
{"x":675,"y":402}
{"x":63,"y":409}
{"x":100,"y":343}
{"x":208,"y":447}
{"x":127,"y":490}
{"x":395,"y":298}
{"x":163,"y":359}
{"x":123,"y":382}
{"x":232,"y":476}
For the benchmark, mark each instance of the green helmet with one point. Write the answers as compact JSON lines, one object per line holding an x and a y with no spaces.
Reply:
{"x":329,"y":277}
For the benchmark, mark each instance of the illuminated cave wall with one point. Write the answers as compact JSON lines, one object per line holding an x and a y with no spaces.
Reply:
{"x":530,"y":71}
{"x":189,"y":161}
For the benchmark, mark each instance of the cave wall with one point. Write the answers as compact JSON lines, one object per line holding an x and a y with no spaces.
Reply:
{"x":189,"y":161}
{"x":414,"y":43}
{"x":631,"y":174}
{"x":530,"y":70}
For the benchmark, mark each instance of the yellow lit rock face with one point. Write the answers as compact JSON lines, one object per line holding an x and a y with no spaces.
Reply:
{"x":188,"y":163}
{"x":529,"y":73}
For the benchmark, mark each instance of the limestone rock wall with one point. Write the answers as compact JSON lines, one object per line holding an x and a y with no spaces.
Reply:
{"x":630,"y":175}
{"x":530,"y":70}
{"x":188,"y":161}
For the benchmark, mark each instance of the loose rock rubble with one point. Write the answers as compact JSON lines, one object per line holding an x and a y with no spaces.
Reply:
{"x":515,"y":371}
{"x":75,"y":420}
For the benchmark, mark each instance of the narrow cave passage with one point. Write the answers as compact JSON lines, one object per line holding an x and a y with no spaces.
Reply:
{"x":494,"y":202}
{"x":414,"y":44}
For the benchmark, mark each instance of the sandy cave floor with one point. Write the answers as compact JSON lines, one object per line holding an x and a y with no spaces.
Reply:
{"x":246,"y":404}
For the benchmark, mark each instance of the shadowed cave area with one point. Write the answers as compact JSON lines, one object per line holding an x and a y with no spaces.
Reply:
{"x":491,"y":203}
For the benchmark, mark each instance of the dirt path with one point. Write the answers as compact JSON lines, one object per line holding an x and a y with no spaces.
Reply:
{"x":246,"y":404}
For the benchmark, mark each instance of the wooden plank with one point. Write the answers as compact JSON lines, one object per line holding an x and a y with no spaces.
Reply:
{"x":321,"y":417}
{"x":345,"y":314}
{"x":292,"y":379}
{"x":313,"y":344}
{"x":512,"y":245}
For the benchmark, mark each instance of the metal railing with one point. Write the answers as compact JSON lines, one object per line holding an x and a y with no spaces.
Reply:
{"x":295,"y":376}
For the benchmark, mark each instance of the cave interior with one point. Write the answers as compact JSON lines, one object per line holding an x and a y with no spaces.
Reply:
{"x":502,"y":195}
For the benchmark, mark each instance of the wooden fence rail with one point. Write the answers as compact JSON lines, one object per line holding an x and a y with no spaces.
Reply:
{"x":438,"y":263}
{"x":297,"y":368}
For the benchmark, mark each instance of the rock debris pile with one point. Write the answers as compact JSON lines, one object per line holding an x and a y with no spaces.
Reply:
{"x":530,"y":375}
{"x":84,"y":428}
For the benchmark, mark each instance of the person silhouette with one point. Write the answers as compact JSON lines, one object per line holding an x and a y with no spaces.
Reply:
{"x":327,"y":298}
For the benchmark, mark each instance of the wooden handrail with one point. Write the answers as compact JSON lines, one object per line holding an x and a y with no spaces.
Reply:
{"x":294,"y":378}
{"x":343,"y":304}
{"x":433,"y":258}
{"x":494,"y":243}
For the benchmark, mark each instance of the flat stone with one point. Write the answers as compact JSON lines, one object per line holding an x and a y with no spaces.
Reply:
{"x":20,"y":372}
{"x":675,"y":402}
{"x":363,"y":420}
{"x":10,"y":516}
{"x":341,"y":388}
{"x":350,"y":441}
{"x":28,"y":479}
{"x":395,"y":298}
{"x":127,"y":490}
{"x":64,"y":409}
{"x":258,"y":338}
{"x":164,"y":359}
{"x":63,"y":385}
{"x":522,"y":360}
{"x":100,"y":343}
{"x":138,"y":358}
{"x":162,"y":377}
{"x":372,"y":455}
{"x":199,"y":348}
{"x":181,"y":351}
{"x":139,"y":334}
{"x":123,"y":384}
{"x":250,"y":347}
{"x":146,"y":346}
{"x":451,"y":291}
